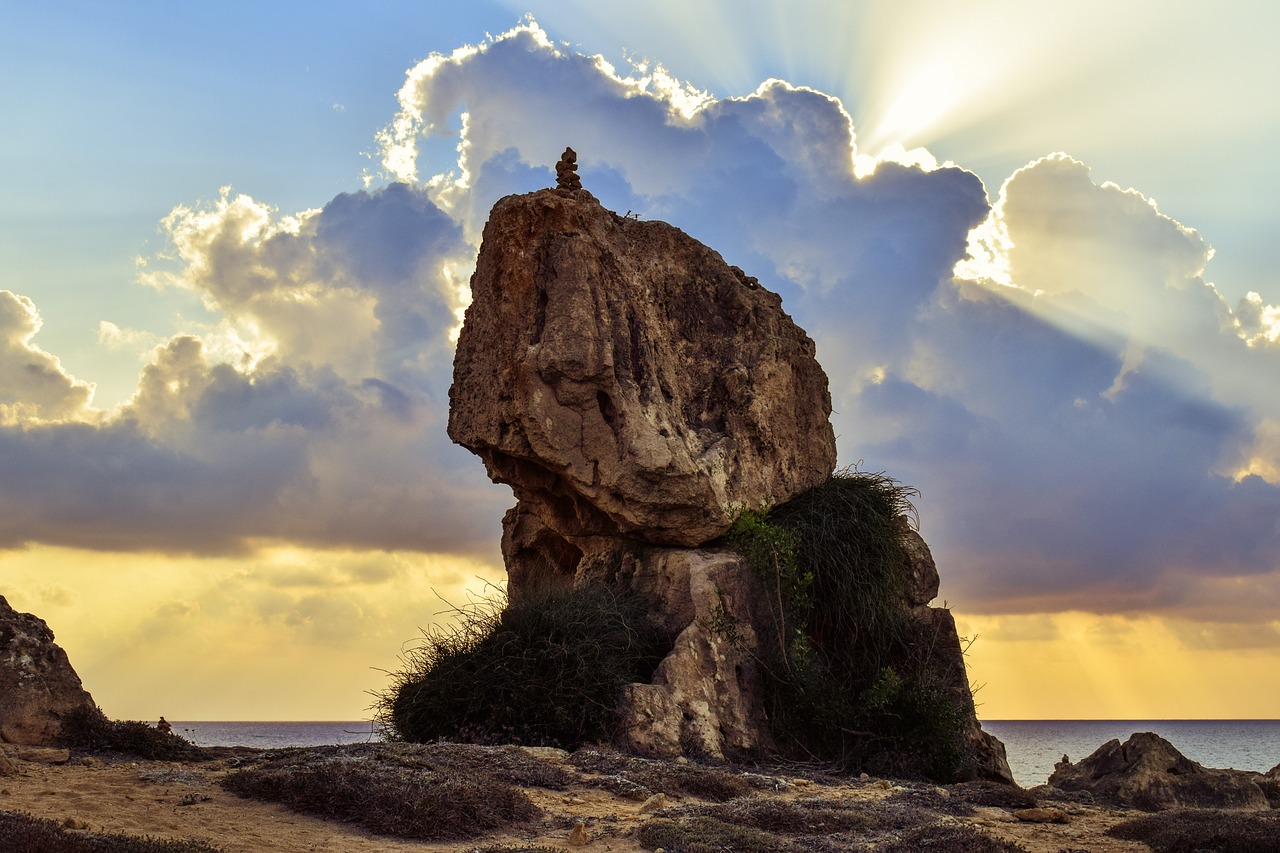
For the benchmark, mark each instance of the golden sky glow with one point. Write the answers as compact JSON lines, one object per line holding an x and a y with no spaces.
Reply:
{"x":226,"y":329}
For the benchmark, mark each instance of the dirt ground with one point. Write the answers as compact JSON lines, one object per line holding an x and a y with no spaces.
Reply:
{"x":182,"y":800}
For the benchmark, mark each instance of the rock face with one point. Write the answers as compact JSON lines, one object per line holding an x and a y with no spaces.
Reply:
{"x":626,"y":382}
{"x":1148,"y":772}
{"x":636,"y":392}
{"x":38,"y":687}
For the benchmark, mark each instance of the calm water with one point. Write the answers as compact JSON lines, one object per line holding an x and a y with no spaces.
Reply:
{"x":1033,"y":745}
{"x":274,"y":735}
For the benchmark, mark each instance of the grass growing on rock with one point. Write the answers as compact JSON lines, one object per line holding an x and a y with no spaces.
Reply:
{"x":437,"y":797}
{"x":1196,"y":831}
{"x":23,"y":833}
{"x":545,"y":670}
{"x":854,"y":678}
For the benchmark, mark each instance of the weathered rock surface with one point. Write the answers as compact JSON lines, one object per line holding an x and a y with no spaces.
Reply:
{"x":627,"y":382}
{"x":635,"y":391}
{"x":705,"y":697}
{"x":1148,"y":772}
{"x":38,"y":687}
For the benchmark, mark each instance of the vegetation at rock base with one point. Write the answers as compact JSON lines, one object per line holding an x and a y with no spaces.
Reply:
{"x":23,"y":833}
{"x":853,"y":675}
{"x":1194,"y":831}
{"x":544,"y":670}
{"x":93,"y":731}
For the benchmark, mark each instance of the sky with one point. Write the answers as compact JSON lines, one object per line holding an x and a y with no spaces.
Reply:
{"x":1035,"y":244}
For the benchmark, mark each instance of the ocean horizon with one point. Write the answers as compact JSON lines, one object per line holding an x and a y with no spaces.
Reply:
{"x":1033,"y":746}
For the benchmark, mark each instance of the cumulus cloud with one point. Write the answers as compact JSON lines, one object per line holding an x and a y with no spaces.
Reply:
{"x":1077,"y":404}
{"x":34,"y":387}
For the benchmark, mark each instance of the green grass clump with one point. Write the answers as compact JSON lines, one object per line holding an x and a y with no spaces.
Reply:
{"x":853,"y":675}
{"x":707,"y":835}
{"x":544,"y":670}
{"x":23,"y":833}
{"x":1204,"y":831}
{"x":93,"y":731}
{"x":396,"y":801}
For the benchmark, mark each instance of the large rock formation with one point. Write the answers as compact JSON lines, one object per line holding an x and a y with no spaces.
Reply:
{"x":626,"y":382}
{"x":1148,"y":772}
{"x":636,"y":392}
{"x":38,"y":687}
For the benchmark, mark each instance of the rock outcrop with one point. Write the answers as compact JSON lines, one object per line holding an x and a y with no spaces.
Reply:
{"x":1147,"y":772}
{"x":636,"y":392}
{"x":38,"y":687}
{"x":626,"y":382}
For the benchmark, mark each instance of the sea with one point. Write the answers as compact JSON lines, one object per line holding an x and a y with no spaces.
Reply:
{"x":1033,"y":746}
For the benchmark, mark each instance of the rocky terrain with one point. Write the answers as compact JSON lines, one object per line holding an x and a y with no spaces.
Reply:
{"x":456,"y":797}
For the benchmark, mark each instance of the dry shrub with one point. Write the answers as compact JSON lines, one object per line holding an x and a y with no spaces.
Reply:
{"x":546,"y":670}
{"x":940,"y":838}
{"x":397,"y":801}
{"x":1203,"y":831}
{"x":23,"y":833}
{"x":799,"y":817}
{"x":93,"y":731}
{"x":512,"y":764}
{"x":623,"y":771}
{"x":707,"y":835}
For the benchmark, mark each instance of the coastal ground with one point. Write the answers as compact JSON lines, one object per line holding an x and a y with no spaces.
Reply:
{"x":184,"y":800}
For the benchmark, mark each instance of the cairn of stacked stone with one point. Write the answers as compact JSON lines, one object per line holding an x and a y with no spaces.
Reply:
{"x":567,"y":171}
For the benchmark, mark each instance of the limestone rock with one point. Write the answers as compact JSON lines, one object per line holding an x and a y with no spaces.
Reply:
{"x":923,"y":572}
{"x":626,"y":382}
{"x":38,"y":687}
{"x":705,"y":698}
{"x":1148,"y":772}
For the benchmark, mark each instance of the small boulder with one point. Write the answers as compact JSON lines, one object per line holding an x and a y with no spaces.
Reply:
{"x":1149,"y":773}
{"x":38,"y":687}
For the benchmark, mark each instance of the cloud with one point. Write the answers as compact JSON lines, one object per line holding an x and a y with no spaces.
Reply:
{"x":314,"y":412}
{"x":1077,"y":404}
{"x":34,"y":387}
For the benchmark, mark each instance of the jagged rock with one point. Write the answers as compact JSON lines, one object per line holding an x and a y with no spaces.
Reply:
{"x":1149,"y":773}
{"x":704,"y":699}
{"x":38,"y":687}
{"x":922,"y":577}
{"x":626,"y":382}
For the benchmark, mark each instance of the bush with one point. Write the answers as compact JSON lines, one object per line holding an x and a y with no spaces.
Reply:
{"x":393,"y":801}
{"x":23,"y":833}
{"x":706,"y":835}
{"x":91,"y":730}
{"x":628,"y":775}
{"x":852,"y":673}
{"x":1194,"y":831}
{"x":546,"y":670}
{"x":939,"y":838}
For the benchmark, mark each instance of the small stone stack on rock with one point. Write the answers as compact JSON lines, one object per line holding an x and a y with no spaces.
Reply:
{"x":567,"y":171}
{"x":636,"y":391}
